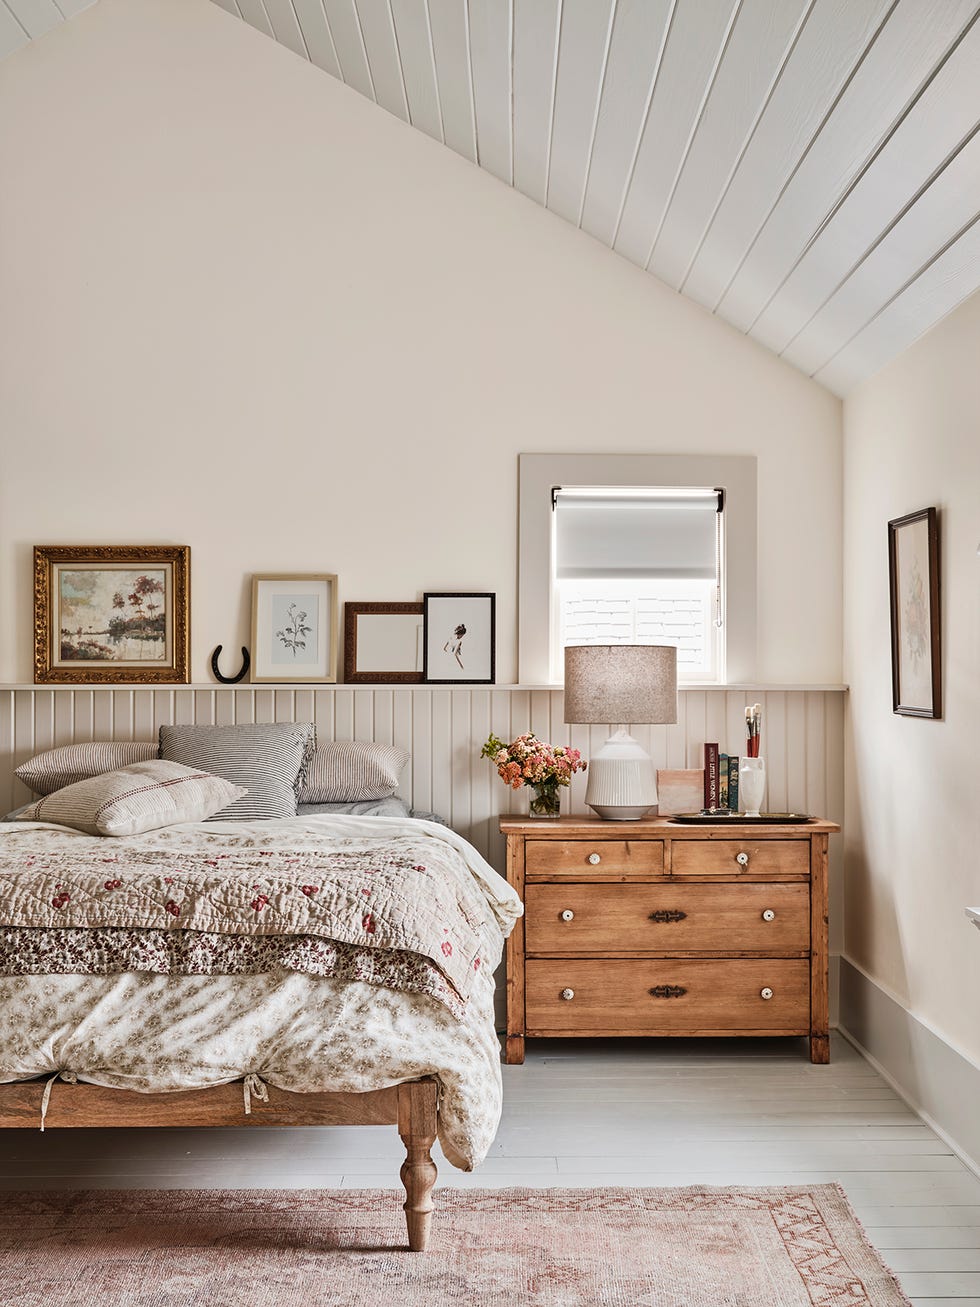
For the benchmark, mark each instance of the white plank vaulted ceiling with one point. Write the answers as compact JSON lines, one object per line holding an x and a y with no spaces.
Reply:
{"x":809,"y":170}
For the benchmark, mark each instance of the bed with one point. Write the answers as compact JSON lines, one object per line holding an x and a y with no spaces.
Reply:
{"x":314,"y":970}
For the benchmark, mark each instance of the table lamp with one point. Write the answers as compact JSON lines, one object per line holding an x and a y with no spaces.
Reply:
{"x":629,"y":684}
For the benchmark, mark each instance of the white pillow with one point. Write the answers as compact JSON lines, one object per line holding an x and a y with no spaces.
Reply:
{"x":56,"y":768}
{"x":134,"y":799}
{"x":350,"y":771}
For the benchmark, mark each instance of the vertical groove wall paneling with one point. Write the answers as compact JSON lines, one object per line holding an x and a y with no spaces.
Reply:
{"x":443,"y":728}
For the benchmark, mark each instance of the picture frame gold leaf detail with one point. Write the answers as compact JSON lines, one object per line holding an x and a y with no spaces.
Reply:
{"x":112,"y":614}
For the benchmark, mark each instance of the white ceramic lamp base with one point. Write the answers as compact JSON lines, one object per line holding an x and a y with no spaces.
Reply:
{"x":622,"y":780}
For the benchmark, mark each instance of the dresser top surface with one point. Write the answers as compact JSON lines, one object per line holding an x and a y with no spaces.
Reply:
{"x":658,"y":827}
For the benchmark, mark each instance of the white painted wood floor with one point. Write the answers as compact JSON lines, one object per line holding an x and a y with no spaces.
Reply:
{"x":617,"y":1112}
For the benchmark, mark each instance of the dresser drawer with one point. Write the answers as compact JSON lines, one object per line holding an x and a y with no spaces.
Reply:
{"x":697,"y":996}
{"x":664,"y":918}
{"x":594,"y":859}
{"x":740,"y":858}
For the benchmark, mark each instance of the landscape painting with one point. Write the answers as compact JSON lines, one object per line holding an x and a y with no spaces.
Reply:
{"x":112,"y":615}
{"x":110,"y":612}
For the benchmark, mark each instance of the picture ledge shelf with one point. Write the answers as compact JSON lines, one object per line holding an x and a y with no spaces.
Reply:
{"x":776,"y":687}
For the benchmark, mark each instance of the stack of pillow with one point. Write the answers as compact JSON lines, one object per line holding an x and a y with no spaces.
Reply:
{"x":197,"y":773}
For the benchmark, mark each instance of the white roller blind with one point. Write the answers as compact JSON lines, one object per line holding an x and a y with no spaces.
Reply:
{"x":665,"y":534}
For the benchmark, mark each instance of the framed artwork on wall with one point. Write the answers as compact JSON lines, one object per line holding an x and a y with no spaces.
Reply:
{"x":459,"y":639}
{"x":913,"y":577}
{"x":382,"y":644}
{"x":294,"y":627}
{"x":111,"y":613}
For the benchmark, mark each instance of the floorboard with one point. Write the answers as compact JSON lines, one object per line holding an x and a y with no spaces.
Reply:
{"x":616,"y":1112}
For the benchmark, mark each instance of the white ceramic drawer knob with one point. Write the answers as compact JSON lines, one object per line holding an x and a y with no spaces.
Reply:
{"x":568,"y":915}
{"x":742,"y":859}
{"x":567,"y":994}
{"x":768,"y":915}
{"x":595,"y":859}
{"x":765,"y":993}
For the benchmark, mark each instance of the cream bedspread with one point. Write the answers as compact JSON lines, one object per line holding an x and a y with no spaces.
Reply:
{"x":304,"y":1032}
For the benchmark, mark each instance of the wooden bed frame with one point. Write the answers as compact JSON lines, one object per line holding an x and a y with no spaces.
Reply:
{"x":412,"y":1106}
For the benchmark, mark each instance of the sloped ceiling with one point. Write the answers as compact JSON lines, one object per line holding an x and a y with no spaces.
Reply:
{"x":23,"y":20}
{"x":809,"y":170}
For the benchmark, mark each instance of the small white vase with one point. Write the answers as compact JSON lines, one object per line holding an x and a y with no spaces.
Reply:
{"x":751,"y":785}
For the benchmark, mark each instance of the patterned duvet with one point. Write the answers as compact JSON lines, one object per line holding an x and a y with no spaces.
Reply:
{"x":344,"y":953}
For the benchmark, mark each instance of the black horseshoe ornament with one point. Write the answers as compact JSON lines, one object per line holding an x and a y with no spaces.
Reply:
{"x":239,"y":676}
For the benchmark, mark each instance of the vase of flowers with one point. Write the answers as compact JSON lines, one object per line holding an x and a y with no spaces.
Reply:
{"x":543,"y":768}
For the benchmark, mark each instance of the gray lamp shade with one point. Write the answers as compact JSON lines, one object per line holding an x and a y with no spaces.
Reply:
{"x":621,"y":683}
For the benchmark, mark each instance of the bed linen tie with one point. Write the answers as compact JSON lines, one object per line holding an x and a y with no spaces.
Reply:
{"x":69,"y":1078}
{"x":253,"y":1084}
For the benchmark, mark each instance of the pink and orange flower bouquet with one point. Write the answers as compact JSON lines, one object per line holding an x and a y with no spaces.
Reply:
{"x":530,"y":761}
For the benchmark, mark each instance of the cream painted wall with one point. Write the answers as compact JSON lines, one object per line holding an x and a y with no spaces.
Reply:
{"x":246,"y":310}
{"x":912,"y":813}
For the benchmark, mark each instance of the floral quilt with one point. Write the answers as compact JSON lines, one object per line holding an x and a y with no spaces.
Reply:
{"x":318,"y":953}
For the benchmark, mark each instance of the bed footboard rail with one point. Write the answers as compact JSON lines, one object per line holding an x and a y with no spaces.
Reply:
{"x":412,"y":1107}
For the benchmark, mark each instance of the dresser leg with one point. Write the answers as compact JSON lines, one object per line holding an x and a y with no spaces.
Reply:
{"x":820,"y":1048}
{"x":514,"y":1054}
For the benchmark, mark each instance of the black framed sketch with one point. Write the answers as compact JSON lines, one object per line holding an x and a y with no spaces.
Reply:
{"x":913,"y":576}
{"x":459,"y":639}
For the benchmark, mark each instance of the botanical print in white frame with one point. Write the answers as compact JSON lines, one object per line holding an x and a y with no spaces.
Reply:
{"x":294,"y":627}
{"x":459,"y":639}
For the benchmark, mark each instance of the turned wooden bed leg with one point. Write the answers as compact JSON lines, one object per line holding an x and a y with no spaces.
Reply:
{"x":417,"y":1107}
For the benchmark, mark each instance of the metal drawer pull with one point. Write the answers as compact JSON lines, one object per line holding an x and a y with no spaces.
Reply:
{"x":567,"y":915}
{"x":668,"y":914}
{"x":567,"y":994}
{"x":667,"y":991}
{"x":765,"y":993}
{"x":768,"y":915}
{"x":742,"y":859}
{"x":595,"y":859}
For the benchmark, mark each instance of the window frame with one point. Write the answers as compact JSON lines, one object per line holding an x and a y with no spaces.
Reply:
{"x":539,"y":474}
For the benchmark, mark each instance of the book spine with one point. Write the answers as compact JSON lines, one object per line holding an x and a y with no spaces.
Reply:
{"x":711,"y":775}
{"x":723,"y":780}
{"x":733,"y":782}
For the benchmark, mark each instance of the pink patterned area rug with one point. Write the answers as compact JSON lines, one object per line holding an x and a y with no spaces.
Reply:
{"x":699,"y":1247}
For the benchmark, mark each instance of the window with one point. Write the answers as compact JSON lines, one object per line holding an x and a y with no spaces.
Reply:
{"x":639,"y":565}
{"x":632,"y":477}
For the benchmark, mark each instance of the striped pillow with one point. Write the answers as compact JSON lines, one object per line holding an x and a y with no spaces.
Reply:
{"x":269,"y":760}
{"x":57,"y":768}
{"x":134,"y":799}
{"x":350,"y":771}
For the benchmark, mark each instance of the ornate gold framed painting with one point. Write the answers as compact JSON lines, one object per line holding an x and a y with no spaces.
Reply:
{"x":111,"y":613}
{"x":913,"y":574}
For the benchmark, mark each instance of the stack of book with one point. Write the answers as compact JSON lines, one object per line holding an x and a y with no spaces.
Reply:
{"x":720,"y":779}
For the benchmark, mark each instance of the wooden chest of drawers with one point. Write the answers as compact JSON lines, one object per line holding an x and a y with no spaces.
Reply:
{"x":655,"y":928}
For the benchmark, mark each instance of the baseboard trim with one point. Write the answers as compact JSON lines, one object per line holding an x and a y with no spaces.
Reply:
{"x":935,"y":1080}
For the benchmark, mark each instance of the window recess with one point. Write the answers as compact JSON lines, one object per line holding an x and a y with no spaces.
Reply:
{"x":640,"y":565}
{"x":635,"y":476}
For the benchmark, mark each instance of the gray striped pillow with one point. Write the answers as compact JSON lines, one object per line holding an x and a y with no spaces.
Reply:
{"x":267,"y":759}
{"x":134,"y":799}
{"x":349,"y":771}
{"x":53,"y":770}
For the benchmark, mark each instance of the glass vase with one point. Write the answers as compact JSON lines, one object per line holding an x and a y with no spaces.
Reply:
{"x":544,"y":800}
